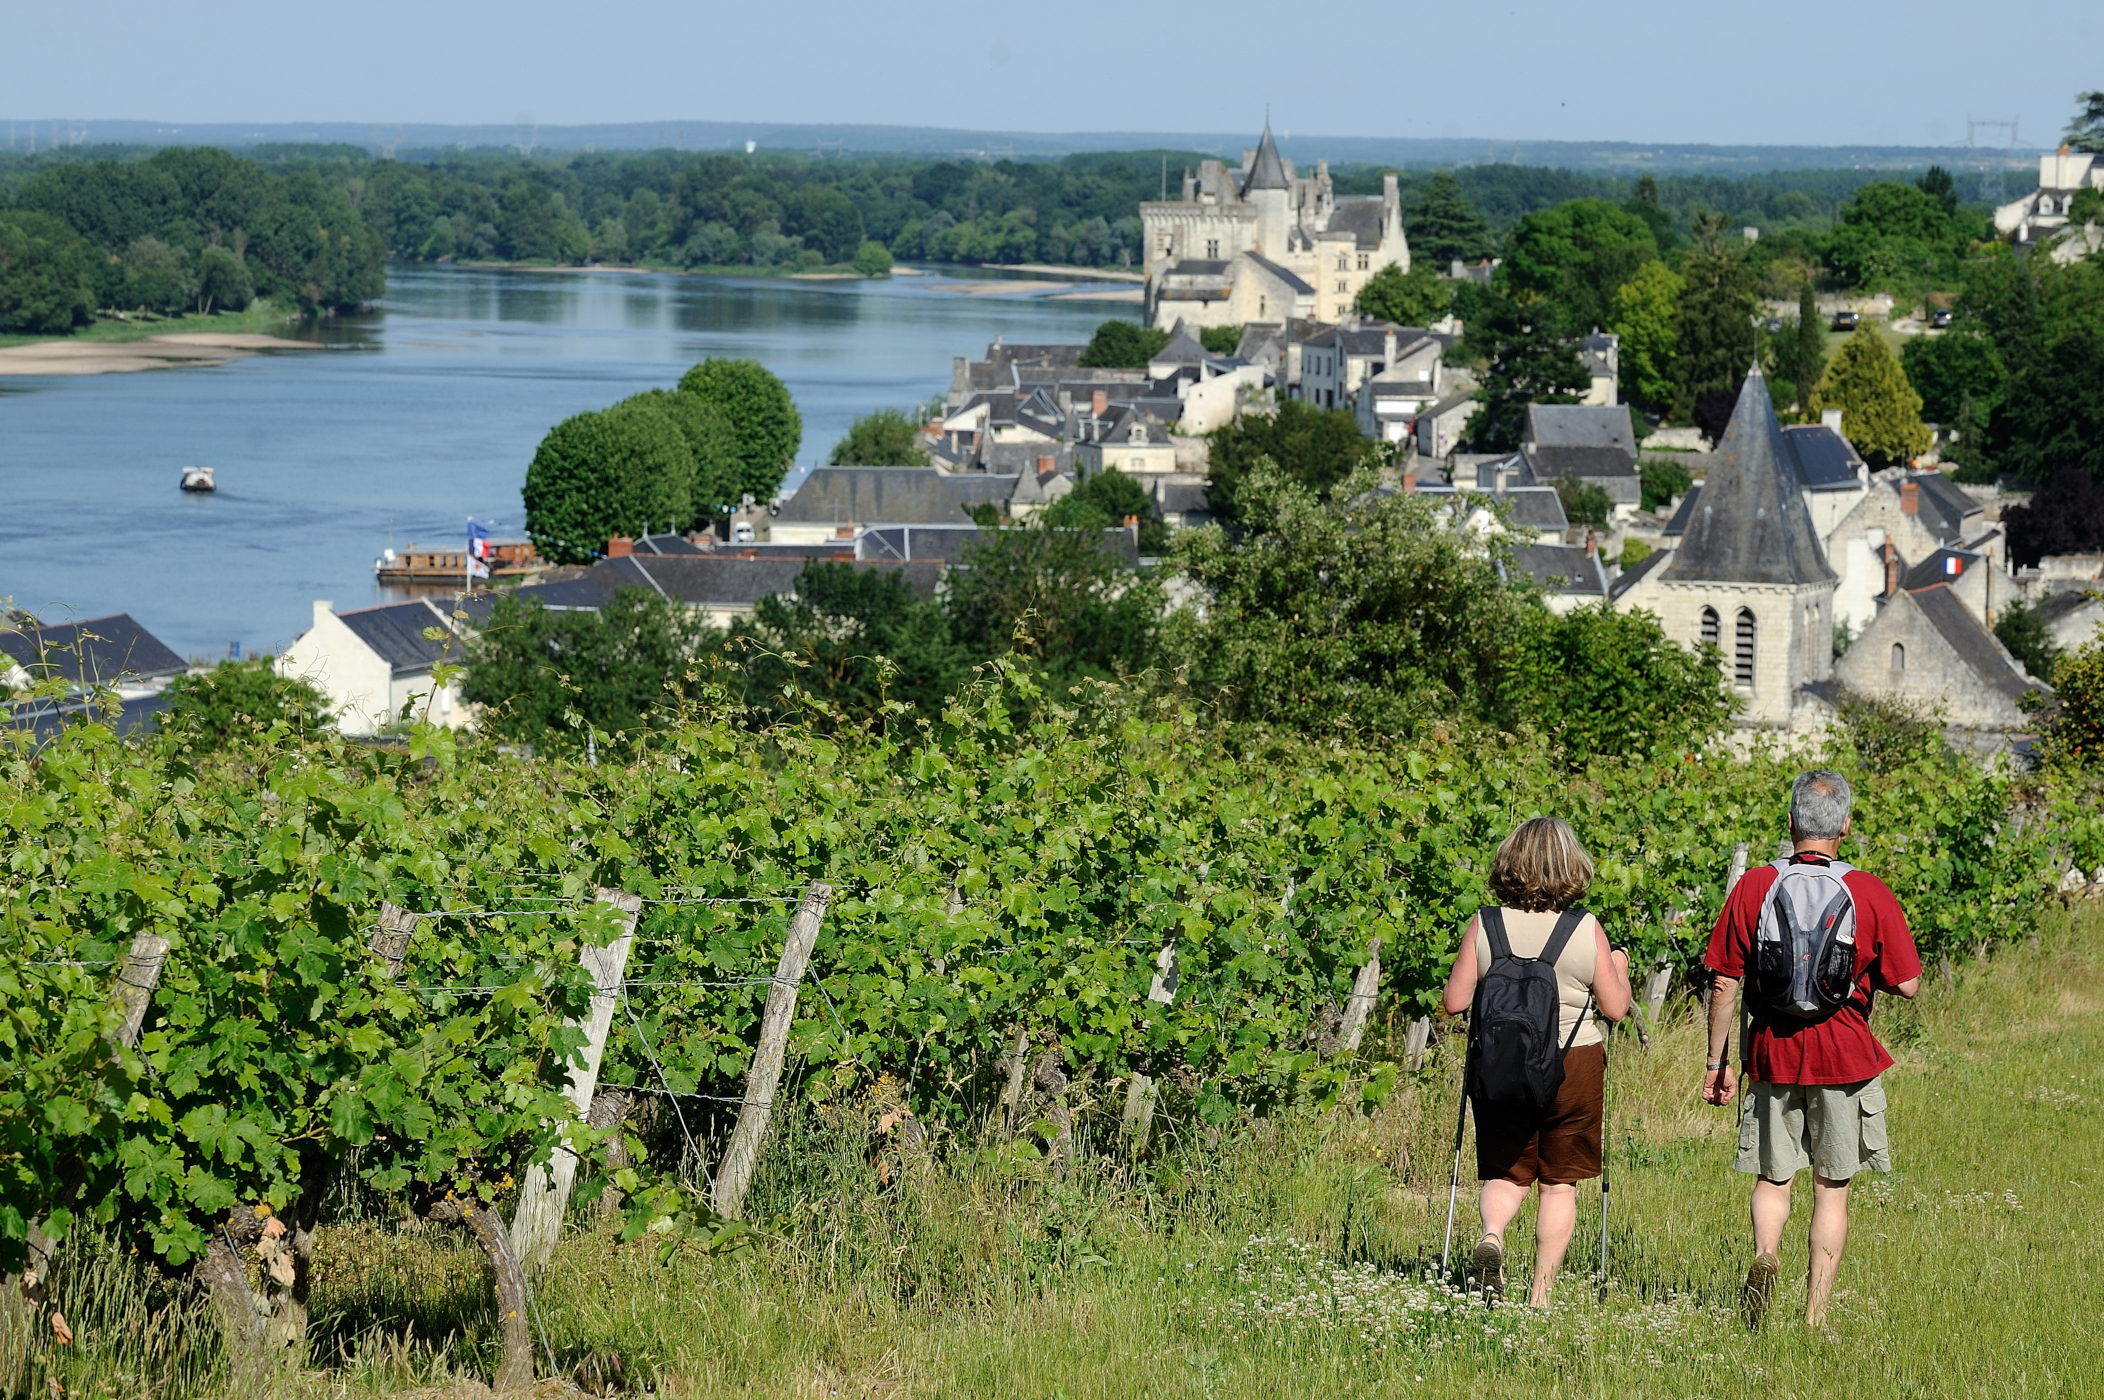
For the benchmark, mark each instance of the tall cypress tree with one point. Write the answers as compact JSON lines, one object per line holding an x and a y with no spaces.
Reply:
{"x":1807,"y":349}
{"x":1716,"y":313}
{"x":1445,"y":226}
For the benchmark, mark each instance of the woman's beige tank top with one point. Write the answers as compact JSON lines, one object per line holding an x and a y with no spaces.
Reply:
{"x":1528,"y":933}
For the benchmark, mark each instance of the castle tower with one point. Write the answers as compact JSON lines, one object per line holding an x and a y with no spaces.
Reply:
{"x":1749,"y":576}
{"x":1272,"y":194}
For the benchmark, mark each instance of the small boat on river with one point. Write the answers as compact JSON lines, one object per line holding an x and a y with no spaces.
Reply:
{"x":199,"y":480}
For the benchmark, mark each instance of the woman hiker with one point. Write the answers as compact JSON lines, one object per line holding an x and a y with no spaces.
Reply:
{"x":1538,"y":874}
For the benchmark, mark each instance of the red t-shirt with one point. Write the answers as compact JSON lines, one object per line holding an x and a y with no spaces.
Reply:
{"x":1839,"y":1049}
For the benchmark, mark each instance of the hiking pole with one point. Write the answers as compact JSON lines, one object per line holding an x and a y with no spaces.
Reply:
{"x":1606,"y":1158}
{"x":1454,"y":1187}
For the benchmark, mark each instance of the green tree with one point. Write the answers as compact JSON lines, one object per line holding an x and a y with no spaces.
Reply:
{"x":760,"y":412}
{"x":714,"y":488}
{"x":887,"y":437}
{"x":1220,"y":340}
{"x":1949,"y":368}
{"x":1662,"y":480}
{"x":546,"y":677}
{"x":1444,"y":226}
{"x":1609,"y":684}
{"x":1316,"y":447}
{"x":1413,"y":298}
{"x":1880,"y":412}
{"x":2073,"y":734}
{"x":2022,"y":628}
{"x":1647,"y":318}
{"x":853,"y":640}
{"x":1800,"y":356}
{"x":624,"y":470}
{"x":1716,"y":313}
{"x":1575,"y":257}
{"x":158,"y":277}
{"x":873,"y":259}
{"x":1108,"y":498}
{"x":2052,"y":415}
{"x":235,"y":703}
{"x":1937,"y":184}
{"x":223,"y":282}
{"x":1527,"y":359}
{"x":1123,"y":345}
{"x":1059,"y":597}
{"x":46,"y":279}
{"x":1898,"y":236}
{"x":2087,"y":207}
{"x":1584,"y":502}
{"x":2085,"y":130}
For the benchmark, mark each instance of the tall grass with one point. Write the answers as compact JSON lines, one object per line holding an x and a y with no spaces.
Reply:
{"x":1286,"y":1258}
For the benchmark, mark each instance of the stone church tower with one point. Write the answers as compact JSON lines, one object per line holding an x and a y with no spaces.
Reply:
{"x":1749,"y":576}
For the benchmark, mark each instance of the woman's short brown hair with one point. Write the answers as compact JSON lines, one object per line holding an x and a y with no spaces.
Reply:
{"x":1541,"y":867}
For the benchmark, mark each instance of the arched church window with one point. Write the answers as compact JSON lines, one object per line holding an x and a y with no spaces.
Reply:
{"x":1742,"y":650}
{"x":1710,"y":626}
{"x":1899,"y":656}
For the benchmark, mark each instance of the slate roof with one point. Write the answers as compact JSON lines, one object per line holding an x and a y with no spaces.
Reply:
{"x":1975,"y":645}
{"x":667,"y":544}
{"x":918,"y":543}
{"x":1578,"y":570}
{"x":1825,"y":460}
{"x":1751,"y":525}
{"x":1181,"y":498}
{"x":1683,"y":513}
{"x":1183,"y":348}
{"x":2061,"y":604}
{"x":1361,"y":216}
{"x":1931,"y":571}
{"x":99,"y":651}
{"x":1636,"y":572}
{"x":1944,"y":504}
{"x":1579,"y":425}
{"x":1537,"y":508}
{"x":892,"y":496}
{"x":1549,"y":462}
{"x":395,"y":633}
{"x":1294,"y":282}
{"x":1267,"y":171}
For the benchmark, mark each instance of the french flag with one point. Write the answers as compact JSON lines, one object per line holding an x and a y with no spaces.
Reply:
{"x":478,"y":551}
{"x":1953,"y":565}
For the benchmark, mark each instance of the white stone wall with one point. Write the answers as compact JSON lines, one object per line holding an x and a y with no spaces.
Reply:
{"x":1924,"y":670}
{"x":1793,"y":635}
{"x":364,"y":694}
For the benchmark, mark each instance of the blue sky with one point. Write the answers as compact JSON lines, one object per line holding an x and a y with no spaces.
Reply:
{"x":1786,"y":72}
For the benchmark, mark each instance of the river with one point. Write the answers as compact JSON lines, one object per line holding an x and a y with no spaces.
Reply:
{"x":414,"y":419}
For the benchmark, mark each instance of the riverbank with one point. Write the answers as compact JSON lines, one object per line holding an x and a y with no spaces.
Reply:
{"x":124,"y":345}
{"x":948,"y":277}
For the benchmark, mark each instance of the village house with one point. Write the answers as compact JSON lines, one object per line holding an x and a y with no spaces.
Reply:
{"x":2044,"y":211}
{"x":374,"y":666}
{"x":1900,"y":521}
{"x":1927,"y":648}
{"x":839,"y":503}
{"x":1592,"y":443}
{"x":109,"y":658}
{"x":1265,"y":243}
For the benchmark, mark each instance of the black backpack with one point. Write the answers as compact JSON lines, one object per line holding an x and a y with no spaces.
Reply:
{"x":1804,"y":948}
{"x":1514,"y":1062}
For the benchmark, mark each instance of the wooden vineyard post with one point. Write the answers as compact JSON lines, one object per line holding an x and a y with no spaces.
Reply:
{"x":1420,"y":1035}
{"x":538,"y":1222}
{"x":137,"y":975}
{"x":1360,"y":1006}
{"x":1137,"y":1121}
{"x":734,"y":1173}
{"x":1655,"y":987}
{"x":1011,"y":1106}
{"x":391,"y":940}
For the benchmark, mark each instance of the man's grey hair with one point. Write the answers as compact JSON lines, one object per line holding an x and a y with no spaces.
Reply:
{"x":1819,"y":805}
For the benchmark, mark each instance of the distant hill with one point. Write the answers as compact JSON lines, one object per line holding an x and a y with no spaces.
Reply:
{"x":413,"y":140}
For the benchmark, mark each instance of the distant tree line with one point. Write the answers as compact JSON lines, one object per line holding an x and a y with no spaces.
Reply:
{"x":186,"y":230}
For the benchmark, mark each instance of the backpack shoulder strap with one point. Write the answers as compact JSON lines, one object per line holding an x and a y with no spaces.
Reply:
{"x":1493,"y":920}
{"x":1566,"y":924}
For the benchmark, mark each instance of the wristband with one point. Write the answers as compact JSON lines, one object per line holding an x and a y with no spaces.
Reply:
{"x":1720,"y":1064}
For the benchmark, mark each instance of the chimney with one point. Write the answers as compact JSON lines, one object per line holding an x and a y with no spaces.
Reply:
{"x":1910,"y":497}
{"x":323,"y":608}
{"x":1592,"y":541}
{"x":1098,"y":403}
{"x":844,"y":532}
{"x":1891,"y":569}
{"x":620,"y":547}
{"x":1047,"y":465}
{"x":1410,"y":483}
{"x":1388,"y":350}
{"x":1830,"y":419}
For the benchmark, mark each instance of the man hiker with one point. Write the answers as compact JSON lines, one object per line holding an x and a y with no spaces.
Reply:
{"x":1814,"y":940}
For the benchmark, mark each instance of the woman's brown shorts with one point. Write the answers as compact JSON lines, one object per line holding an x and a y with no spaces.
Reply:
{"x":1557,"y":1147}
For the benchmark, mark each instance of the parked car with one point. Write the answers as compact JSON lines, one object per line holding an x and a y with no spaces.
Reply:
{"x":1846,"y":320}
{"x":1941,"y":320}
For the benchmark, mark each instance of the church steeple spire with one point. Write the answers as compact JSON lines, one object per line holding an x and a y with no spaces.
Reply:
{"x":1267,"y":172}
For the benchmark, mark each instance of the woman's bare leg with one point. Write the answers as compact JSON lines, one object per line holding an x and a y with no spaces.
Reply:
{"x":1553,"y":1224}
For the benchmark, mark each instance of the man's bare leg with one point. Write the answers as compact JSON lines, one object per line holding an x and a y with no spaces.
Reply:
{"x":1771,"y":1212}
{"x":1829,"y":1238}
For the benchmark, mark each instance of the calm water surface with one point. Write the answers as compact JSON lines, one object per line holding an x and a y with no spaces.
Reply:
{"x":412,"y":420}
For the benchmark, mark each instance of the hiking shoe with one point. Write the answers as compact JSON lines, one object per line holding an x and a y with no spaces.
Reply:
{"x":1488,"y":1269}
{"x":1759,"y":1291}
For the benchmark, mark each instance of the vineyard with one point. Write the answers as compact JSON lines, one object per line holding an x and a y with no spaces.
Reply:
{"x":235,"y":987}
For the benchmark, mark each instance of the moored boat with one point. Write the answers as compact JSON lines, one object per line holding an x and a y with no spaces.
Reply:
{"x":446,"y":568}
{"x":199,"y":479}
